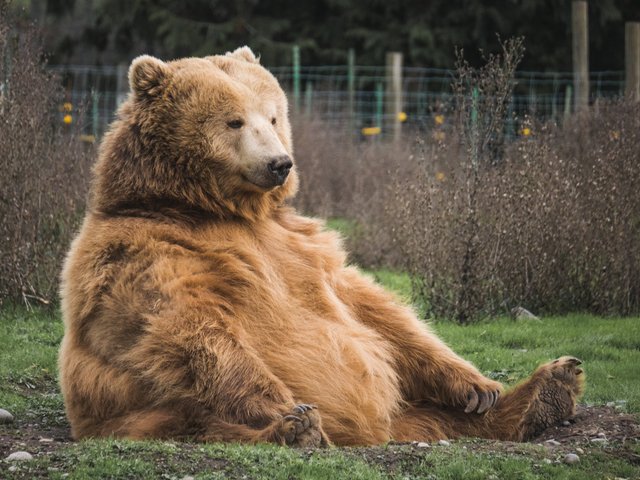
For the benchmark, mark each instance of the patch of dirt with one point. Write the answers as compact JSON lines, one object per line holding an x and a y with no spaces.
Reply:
{"x":33,"y":438}
{"x":592,"y":423}
{"x":593,"y":428}
{"x":601,"y":428}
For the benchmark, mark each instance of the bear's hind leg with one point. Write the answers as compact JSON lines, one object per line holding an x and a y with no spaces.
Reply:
{"x":544,"y":399}
{"x":559,"y":384}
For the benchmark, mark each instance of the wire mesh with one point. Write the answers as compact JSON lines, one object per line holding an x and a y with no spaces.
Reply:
{"x":324,"y":94}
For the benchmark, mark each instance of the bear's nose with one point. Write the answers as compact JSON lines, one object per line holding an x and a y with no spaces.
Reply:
{"x":279,"y":167}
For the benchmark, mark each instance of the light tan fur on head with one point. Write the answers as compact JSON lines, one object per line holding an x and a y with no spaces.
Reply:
{"x":207,"y":130}
{"x":244,"y":53}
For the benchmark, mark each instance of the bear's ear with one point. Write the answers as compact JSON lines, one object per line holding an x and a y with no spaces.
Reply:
{"x":244,"y":53}
{"x":148,"y":75}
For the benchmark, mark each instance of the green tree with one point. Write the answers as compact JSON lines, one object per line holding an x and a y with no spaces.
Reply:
{"x":112,"y":31}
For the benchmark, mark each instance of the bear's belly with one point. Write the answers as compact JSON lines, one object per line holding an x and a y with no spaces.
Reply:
{"x":338,"y":364}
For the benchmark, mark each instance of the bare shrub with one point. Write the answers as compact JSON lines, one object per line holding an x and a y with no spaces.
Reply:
{"x":350,"y":178}
{"x":551,"y":223}
{"x":440,"y":207}
{"x":44,"y":171}
{"x":569,"y":226}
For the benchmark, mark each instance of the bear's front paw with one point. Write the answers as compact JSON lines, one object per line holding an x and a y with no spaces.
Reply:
{"x":302,"y":428}
{"x":480,"y":395}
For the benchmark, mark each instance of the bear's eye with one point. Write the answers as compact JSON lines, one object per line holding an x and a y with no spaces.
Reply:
{"x":235,"y":123}
{"x":273,"y":121}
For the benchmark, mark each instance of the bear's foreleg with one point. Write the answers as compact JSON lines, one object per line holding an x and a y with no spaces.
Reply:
{"x":196,"y":365}
{"x":429,"y":370}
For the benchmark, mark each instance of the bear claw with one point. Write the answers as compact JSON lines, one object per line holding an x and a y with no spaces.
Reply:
{"x":481,"y":402}
{"x":568,"y":359}
{"x":303,"y":407}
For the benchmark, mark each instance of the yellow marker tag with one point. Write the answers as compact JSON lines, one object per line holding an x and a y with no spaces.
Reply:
{"x":67,"y":107}
{"x":439,"y":119}
{"x":526,"y":131}
{"x":67,"y":119}
{"x":371,"y":131}
{"x":402,"y":117}
{"x":440,"y":176}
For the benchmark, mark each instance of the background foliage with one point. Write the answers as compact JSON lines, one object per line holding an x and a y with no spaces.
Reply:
{"x":113,"y":31}
{"x":44,"y":173}
{"x":548,"y":221}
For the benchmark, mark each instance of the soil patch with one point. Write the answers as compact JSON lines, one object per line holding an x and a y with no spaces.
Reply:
{"x":593,"y":428}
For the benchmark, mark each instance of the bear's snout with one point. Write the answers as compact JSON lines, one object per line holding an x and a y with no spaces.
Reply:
{"x":279,"y":168}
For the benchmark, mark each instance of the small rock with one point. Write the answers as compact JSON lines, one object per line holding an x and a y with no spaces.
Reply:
{"x":547,"y":461}
{"x":621,"y":405}
{"x":45,"y":440}
{"x":520,"y":313}
{"x":571,"y":458}
{"x":19,"y":457}
{"x":444,"y":443}
{"x":602,"y":435}
{"x":566,"y":423}
{"x":579,"y":450}
{"x":552,"y":443}
{"x":422,"y":445}
{"x":5,"y":417}
{"x":611,"y":404}
{"x":599,"y":440}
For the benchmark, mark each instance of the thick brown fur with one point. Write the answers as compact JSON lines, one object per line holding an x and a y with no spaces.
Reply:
{"x":197,"y":305}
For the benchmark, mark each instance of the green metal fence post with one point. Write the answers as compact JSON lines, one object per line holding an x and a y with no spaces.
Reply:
{"x":554,"y":99}
{"x":474,"y":127}
{"x":308,"y":98}
{"x":8,"y":64}
{"x":567,"y":101}
{"x":379,"y":104}
{"x":95,"y":114}
{"x":296,"y":78}
{"x":351,"y":85}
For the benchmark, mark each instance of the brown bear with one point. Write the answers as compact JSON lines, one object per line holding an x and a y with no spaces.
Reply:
{"x":198,"y":305}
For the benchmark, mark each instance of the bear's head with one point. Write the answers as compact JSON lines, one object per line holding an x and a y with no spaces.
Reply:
{"x":198,"y":134}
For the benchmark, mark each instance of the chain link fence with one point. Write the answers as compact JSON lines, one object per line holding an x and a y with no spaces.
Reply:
{"x":354,"y":98}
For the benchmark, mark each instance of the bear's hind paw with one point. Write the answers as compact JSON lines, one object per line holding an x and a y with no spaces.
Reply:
{"x":560,"y":384}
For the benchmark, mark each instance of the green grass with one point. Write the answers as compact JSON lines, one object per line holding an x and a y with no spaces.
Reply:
{"x":117,"y":459}
{"x":346,"y":228}
{"x":503,"y":349}
{"x":29,"y":342}
{"x":509,"y":350}
{"x":126,"y":459}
